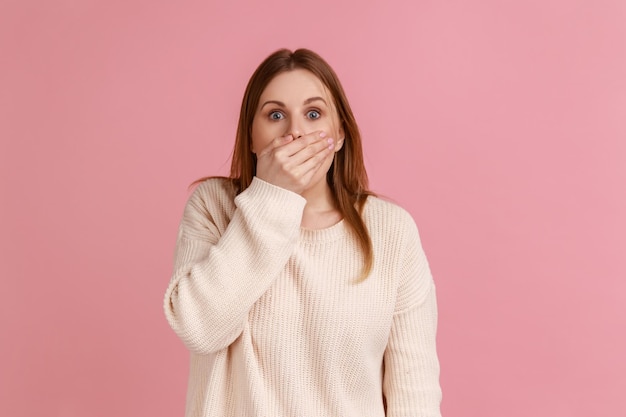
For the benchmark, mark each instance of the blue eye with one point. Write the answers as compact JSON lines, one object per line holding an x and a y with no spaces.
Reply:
{"x":313,"y":114}
{"x":276,"y":115}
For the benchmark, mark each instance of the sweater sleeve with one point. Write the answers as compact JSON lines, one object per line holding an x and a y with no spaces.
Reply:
{"x":411,"y":379}
{"x":218,"y":276}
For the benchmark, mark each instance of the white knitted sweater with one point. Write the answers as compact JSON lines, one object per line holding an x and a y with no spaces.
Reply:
{"x":275,"y":322}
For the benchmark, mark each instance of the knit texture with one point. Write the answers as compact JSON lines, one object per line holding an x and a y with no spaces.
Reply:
{"x":276,"y":322}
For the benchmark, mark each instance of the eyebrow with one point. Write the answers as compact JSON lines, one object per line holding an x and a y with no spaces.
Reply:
{"x":281,"y":104}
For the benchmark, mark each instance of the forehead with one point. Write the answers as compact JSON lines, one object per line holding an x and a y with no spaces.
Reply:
{"x":295,"y":84}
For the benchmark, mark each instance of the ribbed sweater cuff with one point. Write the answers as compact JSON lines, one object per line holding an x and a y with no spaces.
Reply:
{"x":263,"y":200}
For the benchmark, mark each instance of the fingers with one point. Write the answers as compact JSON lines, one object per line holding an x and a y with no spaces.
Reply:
{"x":291,"y":163}
{"x":300,"y":150}
{"x":309,"y":154}
{"x":305,"y":169}
{"x":276,"y":143}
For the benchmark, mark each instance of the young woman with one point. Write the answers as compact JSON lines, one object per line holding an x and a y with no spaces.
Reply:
{"x":296,"y":290}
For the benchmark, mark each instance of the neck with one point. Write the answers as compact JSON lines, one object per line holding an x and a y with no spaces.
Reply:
{"x":320,"y":210}
{"x":319,"y":198}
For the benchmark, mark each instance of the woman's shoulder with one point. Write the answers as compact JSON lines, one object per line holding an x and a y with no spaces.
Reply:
{"x":378,"y":209}
{"x":213,"y":188}
{"x":213,"y":194}
{"x":388,"y":223}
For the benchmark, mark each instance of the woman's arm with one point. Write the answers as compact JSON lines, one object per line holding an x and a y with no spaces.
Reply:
{"x":217,"y":278}
{"x":411,"y":380}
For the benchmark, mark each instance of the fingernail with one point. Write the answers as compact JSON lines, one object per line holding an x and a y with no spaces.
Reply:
{"x":289,"y":137}
{"x":322,"y":134}
{"x":330,"y":141}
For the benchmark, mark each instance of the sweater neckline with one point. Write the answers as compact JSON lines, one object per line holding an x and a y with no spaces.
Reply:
{"x":333,"y":232}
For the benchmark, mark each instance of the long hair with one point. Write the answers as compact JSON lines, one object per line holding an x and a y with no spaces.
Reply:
{"x":346,"y":177}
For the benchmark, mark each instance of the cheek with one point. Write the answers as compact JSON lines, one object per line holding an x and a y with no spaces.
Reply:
{"x":262,"y":135}
{"x":256,"y":144}
{"x":329,"y":128}
{"x":333,"y":127}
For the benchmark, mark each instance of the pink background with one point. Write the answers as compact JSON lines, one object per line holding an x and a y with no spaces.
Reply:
{"x":500,"y":125}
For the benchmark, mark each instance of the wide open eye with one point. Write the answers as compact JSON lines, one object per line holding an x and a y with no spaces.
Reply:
{"x":276,"y":115}
{"x":313,"y":114}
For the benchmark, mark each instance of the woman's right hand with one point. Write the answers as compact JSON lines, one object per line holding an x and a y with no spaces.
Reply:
{"x":291,"y":163}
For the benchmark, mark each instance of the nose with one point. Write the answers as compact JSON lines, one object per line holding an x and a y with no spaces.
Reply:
{"x":295,"y":128}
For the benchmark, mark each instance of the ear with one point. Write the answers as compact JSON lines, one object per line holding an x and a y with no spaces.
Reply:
{"x":339,"y":143}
